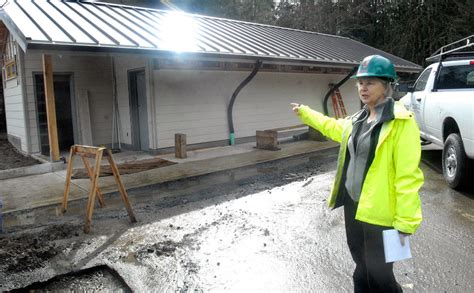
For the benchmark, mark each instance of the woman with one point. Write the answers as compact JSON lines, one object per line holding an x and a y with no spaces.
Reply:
{"x":378,"y":177}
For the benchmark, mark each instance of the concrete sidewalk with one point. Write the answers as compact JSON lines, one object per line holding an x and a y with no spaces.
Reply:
{"x":28,"y":192}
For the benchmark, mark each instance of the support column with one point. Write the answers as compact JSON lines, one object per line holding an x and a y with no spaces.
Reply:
{"x":50,"y":107}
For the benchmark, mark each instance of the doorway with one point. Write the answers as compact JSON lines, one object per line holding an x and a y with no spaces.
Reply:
{"x":64,"y":113}
{"x":138,"y":109}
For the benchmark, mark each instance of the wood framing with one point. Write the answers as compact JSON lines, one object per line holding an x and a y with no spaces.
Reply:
{"x":50,"y":107}
{"x":86,"y":152}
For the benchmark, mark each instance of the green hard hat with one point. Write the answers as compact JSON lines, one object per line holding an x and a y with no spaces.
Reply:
{"x":376,"y":66}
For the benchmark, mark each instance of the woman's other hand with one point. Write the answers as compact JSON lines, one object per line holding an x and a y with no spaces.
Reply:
{"x":295,"y":107}
{"x":402,"y":237}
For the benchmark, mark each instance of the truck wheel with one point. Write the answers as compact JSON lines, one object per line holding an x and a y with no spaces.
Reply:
{"x":455,"y":162}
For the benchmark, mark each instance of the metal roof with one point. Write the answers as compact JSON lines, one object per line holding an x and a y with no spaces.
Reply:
{"x":93,"y":26}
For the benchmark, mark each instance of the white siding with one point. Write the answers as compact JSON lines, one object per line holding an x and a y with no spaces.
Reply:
{"x":90,"y":75}
{"x":195,"y":102}
{"x":15,"y":118}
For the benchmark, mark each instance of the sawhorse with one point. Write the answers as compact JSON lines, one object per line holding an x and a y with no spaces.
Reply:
{"x":86,"y":152}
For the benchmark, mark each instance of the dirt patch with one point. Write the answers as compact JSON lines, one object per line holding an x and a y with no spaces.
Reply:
{"x":10,"y":158}
{"x":27,"y":252}
{"x":166,"y":248}
{"x":41,"y":248}
{"x":96,"y":279}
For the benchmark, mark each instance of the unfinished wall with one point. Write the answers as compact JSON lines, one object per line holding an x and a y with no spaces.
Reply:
{"x":195,"y":102}
{"x":91,"y":90}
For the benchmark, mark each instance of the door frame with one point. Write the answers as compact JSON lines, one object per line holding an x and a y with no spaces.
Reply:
{"x":70,"y":75}
{"x":133,"y":104}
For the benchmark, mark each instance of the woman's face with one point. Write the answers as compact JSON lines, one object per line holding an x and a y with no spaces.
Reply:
{"x":371,"y":90}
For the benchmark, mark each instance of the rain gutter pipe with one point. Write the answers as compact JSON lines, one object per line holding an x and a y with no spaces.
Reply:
{"x":257,"y":67}
{"x":331,"y":90}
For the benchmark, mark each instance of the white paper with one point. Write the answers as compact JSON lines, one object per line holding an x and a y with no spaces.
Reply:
{"x":393,"y":249}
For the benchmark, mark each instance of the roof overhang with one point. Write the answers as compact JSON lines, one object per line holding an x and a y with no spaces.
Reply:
{"x":153,"y":53}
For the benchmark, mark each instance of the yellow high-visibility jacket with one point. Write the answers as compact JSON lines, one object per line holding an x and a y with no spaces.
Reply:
{"x":389,"y":195}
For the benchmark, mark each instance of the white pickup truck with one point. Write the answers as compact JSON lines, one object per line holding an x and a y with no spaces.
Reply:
{"x":442,"y":100}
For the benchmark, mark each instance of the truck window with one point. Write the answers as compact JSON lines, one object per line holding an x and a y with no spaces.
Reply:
{"x":422,"y":80}
{"x":456,"y":77}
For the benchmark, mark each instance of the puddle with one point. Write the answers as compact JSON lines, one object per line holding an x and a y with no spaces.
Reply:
{"x":95,"y":279}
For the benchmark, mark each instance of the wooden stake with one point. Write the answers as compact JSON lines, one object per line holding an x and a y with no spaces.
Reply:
{"x":180,"y":146}
{"x":68,"y":179}
{"x":50,"y":107}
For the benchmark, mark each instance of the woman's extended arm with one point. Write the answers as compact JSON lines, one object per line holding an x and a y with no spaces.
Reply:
{"x":328,"y":126}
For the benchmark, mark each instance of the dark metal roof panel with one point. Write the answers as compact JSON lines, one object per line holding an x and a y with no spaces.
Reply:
{"x":89,"y":25}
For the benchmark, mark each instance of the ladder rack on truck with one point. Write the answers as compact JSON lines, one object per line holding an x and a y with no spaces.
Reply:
{"x":453,"y":49}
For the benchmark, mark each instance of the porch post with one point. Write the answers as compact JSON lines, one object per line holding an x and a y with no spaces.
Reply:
{"x":50,"y":107}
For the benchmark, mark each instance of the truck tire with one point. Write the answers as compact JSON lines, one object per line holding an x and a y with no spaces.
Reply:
{"x":455,"y":162}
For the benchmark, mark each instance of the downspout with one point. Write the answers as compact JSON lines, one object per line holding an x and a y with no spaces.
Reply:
{"x":257,"y":67}
{"x":331,"y":90}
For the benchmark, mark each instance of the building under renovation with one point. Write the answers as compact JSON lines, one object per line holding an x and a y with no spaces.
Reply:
{"x":131,"y":78}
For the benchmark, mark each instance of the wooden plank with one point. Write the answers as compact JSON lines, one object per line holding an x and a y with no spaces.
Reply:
{"x":289,"y":127}
{"x":123,"y":192}
{"x":68,"y":180}
{"x":85,"y":128}
{"x":81,"y":149}
{"x":86,"y":155}
{"x":126,"y":168}
{"x":91,"y":201}
{"x":90,"y":172}
{"x":180,"y":145}
{"x":316,"y":135}
{"x":50,"y":107}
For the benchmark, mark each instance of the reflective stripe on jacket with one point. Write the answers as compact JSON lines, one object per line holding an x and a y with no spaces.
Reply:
{"x":389,"y":195}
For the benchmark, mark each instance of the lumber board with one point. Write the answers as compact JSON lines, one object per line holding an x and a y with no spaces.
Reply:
{"x":50,"y":107}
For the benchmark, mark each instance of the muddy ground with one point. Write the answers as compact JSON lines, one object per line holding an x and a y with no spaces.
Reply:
{"x":10,"y":158}
{"x":39,"y":244}
{"x":262,"y":228}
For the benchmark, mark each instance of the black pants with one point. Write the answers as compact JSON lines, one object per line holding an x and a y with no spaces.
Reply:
{"x":365,"y":242}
